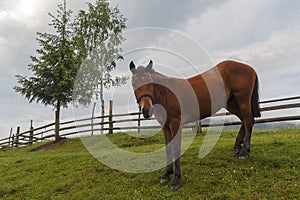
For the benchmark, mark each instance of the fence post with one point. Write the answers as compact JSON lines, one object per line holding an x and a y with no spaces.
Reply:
{"x":31,"y":133}
{"x":92,"y":120}
{"x":12,"y":140}
{"x":111,"y":125}
{"x":139,"y":122}
{"x":17,"y":137}
{"x":10,"y":135}
{"x":199,"y":127}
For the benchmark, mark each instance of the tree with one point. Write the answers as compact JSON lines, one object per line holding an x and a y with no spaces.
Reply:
{"x":99,"y":34}
{"x":55,"y":69}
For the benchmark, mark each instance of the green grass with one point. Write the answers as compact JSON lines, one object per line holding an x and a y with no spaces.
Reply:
{"x":68,"y":171}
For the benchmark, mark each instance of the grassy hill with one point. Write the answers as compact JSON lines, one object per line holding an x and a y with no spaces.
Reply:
{"x":68,"y":171}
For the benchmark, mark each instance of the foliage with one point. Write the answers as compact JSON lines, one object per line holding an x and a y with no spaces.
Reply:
{"x":99,"y":34}
{"x":55,"y":67}
{"x":70,"y":172}
{"x":91,"y":44}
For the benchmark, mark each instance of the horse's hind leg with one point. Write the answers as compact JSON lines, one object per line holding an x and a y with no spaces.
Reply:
{"x":239,"y":140}
{"x":248,"y":121}
{"x":233,"y":107}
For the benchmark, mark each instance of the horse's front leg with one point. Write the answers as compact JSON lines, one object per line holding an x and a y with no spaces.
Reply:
{"x":176,"y":143}
{"x":165,"y":177}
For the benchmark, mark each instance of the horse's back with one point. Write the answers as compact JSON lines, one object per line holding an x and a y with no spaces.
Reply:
{"x":234,"y":69}
{"x":237,"y":76}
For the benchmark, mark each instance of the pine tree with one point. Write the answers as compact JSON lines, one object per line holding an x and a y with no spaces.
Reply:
{"x":55,"y":67}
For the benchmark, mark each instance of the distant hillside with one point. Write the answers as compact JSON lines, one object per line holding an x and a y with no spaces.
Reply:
{"x":269,"y":126}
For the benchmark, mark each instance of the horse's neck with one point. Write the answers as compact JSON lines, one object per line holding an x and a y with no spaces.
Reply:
{"x":161,"y":78}
{"x":155,"y":75}
{"x":160,"y":87}
{"x":164,"y":86}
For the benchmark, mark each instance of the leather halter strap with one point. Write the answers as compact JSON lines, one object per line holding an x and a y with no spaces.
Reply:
{"x":138,"y":99}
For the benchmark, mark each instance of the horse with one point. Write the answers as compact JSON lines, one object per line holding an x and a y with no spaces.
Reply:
{"x":231,"y":85}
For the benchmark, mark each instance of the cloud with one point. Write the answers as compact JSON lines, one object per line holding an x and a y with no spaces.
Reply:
{"x":276,"y":60}
{"x":17,"y":43}
{"x":238,"y":23}
{"x":167,"y":13}
{"x":263,"y":33}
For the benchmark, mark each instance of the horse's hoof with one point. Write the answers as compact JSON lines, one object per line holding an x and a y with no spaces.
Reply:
{"x":243,"y":156}
{"x":237,"y":151}
{"x":164,"y":181}
{"x":175,"y":184}
{"x":175,"y":187}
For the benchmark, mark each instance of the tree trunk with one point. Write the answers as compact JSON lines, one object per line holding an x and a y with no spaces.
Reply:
{"x":102,"y":114}
{"x":102,"y":100}
{"x":57,"y":114}
{"x":92,"y":119}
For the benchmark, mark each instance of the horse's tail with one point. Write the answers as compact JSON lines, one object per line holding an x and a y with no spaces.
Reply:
{"x":255,"y":100}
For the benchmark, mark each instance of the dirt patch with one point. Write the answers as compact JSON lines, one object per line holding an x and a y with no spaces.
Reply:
{"x":49,"y":145}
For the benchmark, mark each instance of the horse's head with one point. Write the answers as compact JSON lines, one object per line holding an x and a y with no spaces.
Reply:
{"x":142,"y":84}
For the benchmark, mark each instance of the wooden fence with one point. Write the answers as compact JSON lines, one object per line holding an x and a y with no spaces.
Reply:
{"x":133,"y":121}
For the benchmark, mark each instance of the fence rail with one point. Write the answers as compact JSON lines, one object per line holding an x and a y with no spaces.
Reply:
{"x":133,"y":121}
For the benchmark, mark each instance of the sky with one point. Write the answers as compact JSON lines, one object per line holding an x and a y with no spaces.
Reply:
{"x":181,"y":37}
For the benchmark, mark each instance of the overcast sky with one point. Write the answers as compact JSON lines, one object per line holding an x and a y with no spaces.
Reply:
{"x":190,"y":37}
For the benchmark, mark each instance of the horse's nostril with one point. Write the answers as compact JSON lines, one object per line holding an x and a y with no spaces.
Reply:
{"x":147,"y":112}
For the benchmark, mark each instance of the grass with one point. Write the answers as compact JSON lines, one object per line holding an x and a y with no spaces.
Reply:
{"x":68,"y":171}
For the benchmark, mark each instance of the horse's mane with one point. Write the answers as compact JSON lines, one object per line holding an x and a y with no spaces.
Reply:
{"x":157,"y":74}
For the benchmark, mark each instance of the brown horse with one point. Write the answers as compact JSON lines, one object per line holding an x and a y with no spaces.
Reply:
{"x":229,"y":85}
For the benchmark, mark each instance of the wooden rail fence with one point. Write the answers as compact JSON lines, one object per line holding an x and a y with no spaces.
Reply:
{"x":133,"y":121}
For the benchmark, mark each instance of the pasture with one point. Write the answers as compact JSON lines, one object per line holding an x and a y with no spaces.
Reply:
{"x":68,"y":171}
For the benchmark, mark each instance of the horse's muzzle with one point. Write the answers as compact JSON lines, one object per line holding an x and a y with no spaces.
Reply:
{"x":147,"y":112}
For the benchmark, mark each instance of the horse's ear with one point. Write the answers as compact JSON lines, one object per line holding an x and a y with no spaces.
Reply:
{"x":132,"y":67}
{"x":149,"y":66}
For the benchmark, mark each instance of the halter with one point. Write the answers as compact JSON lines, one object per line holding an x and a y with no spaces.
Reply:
{"x":138,"y":99}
